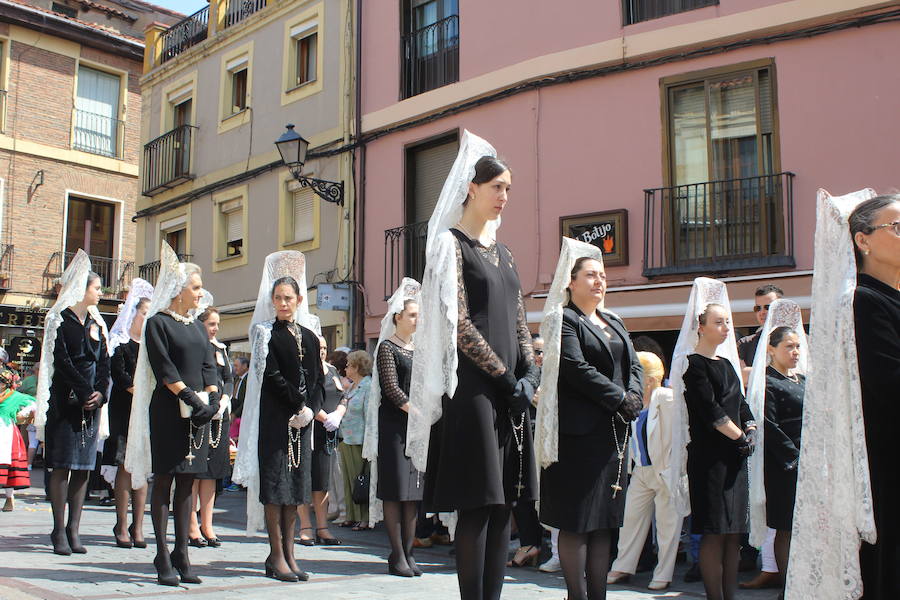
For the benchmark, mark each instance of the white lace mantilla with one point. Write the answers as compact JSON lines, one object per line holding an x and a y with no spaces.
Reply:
{"x":833,"y":510}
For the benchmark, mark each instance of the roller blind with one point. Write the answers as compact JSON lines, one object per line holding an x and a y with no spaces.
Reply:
{"x":304,"y":228}
{"x":430,"y":168}
{"x":234,"y":226}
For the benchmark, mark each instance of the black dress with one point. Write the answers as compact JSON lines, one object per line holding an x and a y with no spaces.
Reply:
{"x":717,"y":474}
{"x":324,"y":442}
{"x":290,"y":382}
{"x":473,"y":460}
{"x":784,"y":416}
{"x":218,"y":464}
{"x":398,"y":480}
{"x":122,"y":367}
{"x":595,"y":371}
{"x":80,"y":368}
{"x":876,"y":309}
{"x":177,"y":352}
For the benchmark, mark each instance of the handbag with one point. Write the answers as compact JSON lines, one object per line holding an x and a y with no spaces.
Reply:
{"x":360,"y":491}
{"x":187,"y":410}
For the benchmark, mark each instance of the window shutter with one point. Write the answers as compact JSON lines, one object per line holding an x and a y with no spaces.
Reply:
{"x":304,"y":228}
{"x":431,"y":167}
{"x":234,"y":226}
{"x":765,"y":101}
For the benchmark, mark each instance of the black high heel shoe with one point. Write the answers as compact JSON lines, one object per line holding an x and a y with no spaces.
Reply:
{"x":212,"y":542}
{"x":60,"y":543}
{"x":301,"y":575}
{"x":165,"y":574}
{"x":135,"y":543}
{"x":181,"y":564}
{"x":75,"y":542}
{"x":398,"y":569}
{"x":197,"y":542}
{"x":413,"y":566}
{"x":325,"y":541}
{"x":289,"y":576}
{"x":305,"y":541}
{"x":121,"y":543}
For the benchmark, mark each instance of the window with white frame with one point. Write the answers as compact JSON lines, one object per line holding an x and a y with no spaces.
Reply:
{"x":305,"y":43}
{"x":303,"y":201}
{"x":97,"y":121}
{"x":232,"y":228}
{"x":237,"y":79}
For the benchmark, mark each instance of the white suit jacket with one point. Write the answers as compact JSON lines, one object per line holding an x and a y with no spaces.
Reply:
{"x":660,"y":418}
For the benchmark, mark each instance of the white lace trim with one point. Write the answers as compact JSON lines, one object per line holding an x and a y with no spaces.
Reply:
{"x":833,"y":510}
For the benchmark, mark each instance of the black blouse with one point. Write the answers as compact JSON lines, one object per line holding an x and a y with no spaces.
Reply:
{"x":179,"y":352}
{"x":80,"y":360}
{"x":712,"y":392}
{"x":394,"y":372}
{"x":784,"y":418}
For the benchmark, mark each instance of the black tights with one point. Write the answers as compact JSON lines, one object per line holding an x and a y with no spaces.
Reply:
{"x":400,"y":522}
{"x":782,"y":551}
{"x":67,"y":488}
{"x":482,"y":543}
{"x":159,"y":513}
{"x":584,"y":558}
{"x":719,"y":558}
{"x":281,"y":519}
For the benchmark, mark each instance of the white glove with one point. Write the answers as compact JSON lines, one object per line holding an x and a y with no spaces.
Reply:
{"x":333,"y":420}
{"x":302,"y":418}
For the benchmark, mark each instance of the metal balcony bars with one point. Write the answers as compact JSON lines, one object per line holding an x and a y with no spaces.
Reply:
{"x":115,"y":274}
{"x":430,"y":57}
{"x":635,"y":11}
{"x":97,"y":134}
{"x":404,"y":254}
{"x":150,"y":271}
{"x":167,"y":160}
{"x":238,"y":10}
{"x":719,"y":226}
{"x":184,"y":34}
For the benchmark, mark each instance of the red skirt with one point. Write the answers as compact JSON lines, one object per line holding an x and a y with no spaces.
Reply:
{"x":16,"y":475}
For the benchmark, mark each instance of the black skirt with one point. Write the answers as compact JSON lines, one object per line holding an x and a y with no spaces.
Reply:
{"x":218,"y":463}
{"x":398,"y":480}
{"x":323,"y":457}
{"x":719,"y":489}
{"x":68,"y":445}
{"x":279,"y":481}
{"x":576,"y":491}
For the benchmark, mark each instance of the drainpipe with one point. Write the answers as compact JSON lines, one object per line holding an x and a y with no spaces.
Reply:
{"x":358,"y":331}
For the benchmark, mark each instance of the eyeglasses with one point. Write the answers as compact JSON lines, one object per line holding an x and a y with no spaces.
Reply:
{"x":538,"y":352}
{"x":895,"y":225}
{"x":758,"y":308}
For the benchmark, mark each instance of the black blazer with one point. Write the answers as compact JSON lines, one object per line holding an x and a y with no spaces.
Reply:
{"x":587,"y":394}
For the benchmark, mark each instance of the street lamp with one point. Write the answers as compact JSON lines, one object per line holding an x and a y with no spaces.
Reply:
{"x":293,"y":147}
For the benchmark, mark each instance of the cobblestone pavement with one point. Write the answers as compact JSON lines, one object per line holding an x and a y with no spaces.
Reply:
{"x":355,"y":571}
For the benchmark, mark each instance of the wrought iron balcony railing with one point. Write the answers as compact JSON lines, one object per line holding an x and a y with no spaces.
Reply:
{"x":430,"y":57}
{"x":635,"y":11}
{"x":167,"y":160}
{"x":97,"y":134}
{"x":184,"y":34}
{"x":115,"y":275}
{"x":6,"y":264}
{"x":404,"y":254}
{"x":150,"y":271}
{"x":719,"y":226}
{"x":238,"y":10}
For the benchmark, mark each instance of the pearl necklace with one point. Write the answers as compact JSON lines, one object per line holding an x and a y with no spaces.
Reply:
{"x":185,"y":320}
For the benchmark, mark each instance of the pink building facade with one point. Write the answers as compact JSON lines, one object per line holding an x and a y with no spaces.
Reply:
{"x":689,"y":144}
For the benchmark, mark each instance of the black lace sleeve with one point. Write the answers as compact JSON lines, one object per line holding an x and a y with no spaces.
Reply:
{"x":527,"y":366}
{"x":387,"y":376}
{"x":469,"y":340}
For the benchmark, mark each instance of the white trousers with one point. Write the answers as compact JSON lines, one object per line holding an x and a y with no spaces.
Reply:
{"x":647,"y":492}
{"x":768,"y":553}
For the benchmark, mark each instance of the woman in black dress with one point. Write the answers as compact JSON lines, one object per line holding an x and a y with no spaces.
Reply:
{"x":218,"y":463}
{"x":288,"y":400}
{"x":600,"y":391}
{"x":481,"y":457}
{"x":722,"y":430}
{"x":325,"y":444}
{"x":78,"y":390}
{"x":182,"y":363}
{"x":399,"y":483}
{"x":784,"y":416}
{"x":875,"y":227}
{"x":123,"y":365}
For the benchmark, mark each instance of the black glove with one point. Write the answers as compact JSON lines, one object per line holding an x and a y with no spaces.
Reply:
{"x":521,"y":397}
{"x":751,"y":436}
{"x":743,"y":446}
{"x":202,"y":413}
{"x":631,"y":406}
{"x":506,"y":383}
{"x":215,"y":401}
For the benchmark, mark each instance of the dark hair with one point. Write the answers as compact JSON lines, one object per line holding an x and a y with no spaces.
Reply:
{"x":862,"y":219}
{"x":769,"y":288}
{"x":91,"y":277}
{"x":645,"y":343}
{"x":536,"y":336}
{"x":579,"y":263}
{"x":338,"y":358}
{"x":243,"y":360}
{"x":141,"y":303}
{"x":779,"y":333}
{"x":701,"y":318}
{"x":286,"y":281}
{"x":206,"y":314}
{"x":486,"y":169}
{"x":406,"y":303}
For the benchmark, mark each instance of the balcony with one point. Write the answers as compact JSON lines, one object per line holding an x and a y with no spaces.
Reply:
{"x":238,"y":10}
{"x":167,"y":160}
{"x":719,"y":226}
{"x":430,"y":57}
{"x":115,"y":274}
{"x":184,"y":34}
{"x":150,"y":271}
{"x":635,"y":11}
{"x":6,"y":264}
{"x":97,"y":134}
{"x":404,"y":254}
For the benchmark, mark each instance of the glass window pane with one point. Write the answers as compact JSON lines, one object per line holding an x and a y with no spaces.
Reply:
{"x":689,"y":150}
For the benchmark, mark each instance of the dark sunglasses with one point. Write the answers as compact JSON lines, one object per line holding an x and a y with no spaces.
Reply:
{"x":758,"y":308}
{"x":538,"y":351}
